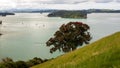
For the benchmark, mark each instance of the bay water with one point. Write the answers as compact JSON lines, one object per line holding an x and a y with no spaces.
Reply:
{"x":25,"y":34}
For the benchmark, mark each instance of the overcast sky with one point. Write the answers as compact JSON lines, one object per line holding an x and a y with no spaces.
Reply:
{"x":60,"y":4}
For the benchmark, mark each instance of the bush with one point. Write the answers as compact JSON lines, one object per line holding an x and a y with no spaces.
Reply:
{"x":9,"y":63}
{"x":21,"y":64}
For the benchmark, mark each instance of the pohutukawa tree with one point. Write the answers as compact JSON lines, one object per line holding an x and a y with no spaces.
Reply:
{"x":69,"y":37}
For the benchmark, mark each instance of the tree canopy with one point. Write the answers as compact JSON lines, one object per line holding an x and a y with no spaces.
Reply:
{"x":69,"y":37}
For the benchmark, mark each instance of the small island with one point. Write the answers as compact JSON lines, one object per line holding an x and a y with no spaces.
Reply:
{"x":6,"y":13}
{"x":68,"y":14}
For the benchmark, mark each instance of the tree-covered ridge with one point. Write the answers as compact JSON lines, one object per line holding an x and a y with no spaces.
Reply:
{"x":68,"y":14}
{"x":69,"y":37}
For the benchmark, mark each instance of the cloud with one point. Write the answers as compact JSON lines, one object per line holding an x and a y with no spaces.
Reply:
{"x":103,"y":1}
{"x":70,"y":1}
{"x":6,"y":4}
{"x":59,"y":4}
{"x":118,"y":1}
{"x":51,"y":1}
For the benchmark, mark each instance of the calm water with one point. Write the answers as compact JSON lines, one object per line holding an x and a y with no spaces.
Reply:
{"x":25,"y":34}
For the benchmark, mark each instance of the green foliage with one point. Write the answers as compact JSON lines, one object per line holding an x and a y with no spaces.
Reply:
{"x":9,"y":63}
{"x":21,"y":64}
{"x":7,"y":59}
{"x":34,"y":61}
{"x":69,"y":37}
{"x":104,"y":53}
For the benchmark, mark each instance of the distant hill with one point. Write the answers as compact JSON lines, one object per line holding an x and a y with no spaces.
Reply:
{"x":104,"y":53}
{"x":68,"y":14}
{"x":31,"y":10}
{"x":102,"y":11}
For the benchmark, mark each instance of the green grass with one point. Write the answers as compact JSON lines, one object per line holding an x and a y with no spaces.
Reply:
{"x":104,"y":53}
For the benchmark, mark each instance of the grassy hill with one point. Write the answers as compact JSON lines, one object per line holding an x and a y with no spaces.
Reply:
{"x":104,"y":53}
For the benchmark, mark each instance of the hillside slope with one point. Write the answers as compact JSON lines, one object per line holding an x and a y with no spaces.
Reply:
{"x":104,"y":53}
